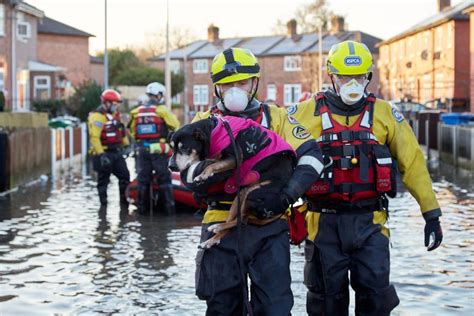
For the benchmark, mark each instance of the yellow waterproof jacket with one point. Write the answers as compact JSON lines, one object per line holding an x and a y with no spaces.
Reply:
{"x":162,"y":111}
{"x":95,"y":123}
{"x":292,"y":132}
{"x":392,"y":129}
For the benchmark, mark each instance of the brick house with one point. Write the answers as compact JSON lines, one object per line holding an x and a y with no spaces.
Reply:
{"x":430,"y":61}
{"x":289,"y":63}
{"x":47,"y":56}
{"x":67,"y":47}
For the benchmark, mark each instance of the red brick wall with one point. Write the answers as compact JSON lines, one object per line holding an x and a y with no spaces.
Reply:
{"x":69,"y":52}
{"x":97,"y":73}
{"x":462,"y":61}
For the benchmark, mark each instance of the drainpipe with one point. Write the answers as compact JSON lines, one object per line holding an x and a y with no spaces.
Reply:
{"x":14,"y":103}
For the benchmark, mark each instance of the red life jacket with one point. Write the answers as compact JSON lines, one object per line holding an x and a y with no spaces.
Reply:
{"x":112,"y":131}
{"x":357,"y":166}
{"x":148,"y":125}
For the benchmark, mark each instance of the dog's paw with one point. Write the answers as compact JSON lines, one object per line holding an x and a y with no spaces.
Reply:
{"x":213,"y":228}
{"x":209,"y":243}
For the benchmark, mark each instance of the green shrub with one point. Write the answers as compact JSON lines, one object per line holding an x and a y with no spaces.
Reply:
{"x":86,"y":98}
{"x":2,"y":101}
{"x":52,"y":107}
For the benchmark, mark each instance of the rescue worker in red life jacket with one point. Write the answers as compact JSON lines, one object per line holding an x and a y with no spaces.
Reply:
{"x":150,"y":125}
{"x":359,"y":136}
{"x":107,"y":136}
{"x":235,"y":74}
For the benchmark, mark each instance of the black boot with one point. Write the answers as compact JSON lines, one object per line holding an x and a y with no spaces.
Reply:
{"x":166,"y":196}
{"x":123,"y":198}
{"x":102,"y":195}
{"x":143,"y":200}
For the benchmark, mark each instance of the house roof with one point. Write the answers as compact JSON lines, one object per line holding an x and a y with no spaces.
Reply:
{"x":271,"y":45}
{"x":448,"y":14}
{"x":50,"y":26}
{"x":29,"y":9}
{"x":38,"y":66}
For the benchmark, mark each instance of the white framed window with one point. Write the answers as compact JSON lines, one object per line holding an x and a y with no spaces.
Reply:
{"x":176,"y":99}
{"x":201,"y":95}
{"x":292,"y":63}
{"x":2,"y":20}
{"x":23,"y":30}
{"x":174,"y":66}
{"x":271,"y":92}
{"x":42,"y":87}
{"x":292,"y":94}
{"x":449,"y":37}
{"x":439,"y":38}
{"x":200,"y":66}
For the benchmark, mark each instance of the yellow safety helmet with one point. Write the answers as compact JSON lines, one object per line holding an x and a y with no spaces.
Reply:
{"x":349,"y":58}
{"x":234,"y":64}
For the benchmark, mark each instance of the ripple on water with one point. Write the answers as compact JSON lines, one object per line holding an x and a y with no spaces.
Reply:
{"x":60,"y":254}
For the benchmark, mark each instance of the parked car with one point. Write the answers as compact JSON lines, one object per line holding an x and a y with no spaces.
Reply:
{"x":64,"y":121}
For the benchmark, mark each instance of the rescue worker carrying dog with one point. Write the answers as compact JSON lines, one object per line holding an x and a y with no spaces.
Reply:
{"x":266,"y":251}
{"x":107,"y":136}
{"x":150,"y":125}
{"x":360,"y":136}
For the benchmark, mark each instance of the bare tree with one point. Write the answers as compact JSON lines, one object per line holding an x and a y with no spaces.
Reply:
{"x":308,"y":18}
{"x":155,"y":42}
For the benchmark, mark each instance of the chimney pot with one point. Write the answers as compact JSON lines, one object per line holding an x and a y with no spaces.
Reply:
{"x":337,"y":24}
{"x":443,"y":4}
{"x":291,"y":27}
{"x":212,"y":33}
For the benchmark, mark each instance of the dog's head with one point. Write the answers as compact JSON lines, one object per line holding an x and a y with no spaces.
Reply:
{"x":190,"y":143}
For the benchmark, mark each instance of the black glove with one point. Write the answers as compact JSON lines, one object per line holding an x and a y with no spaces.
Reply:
{"x":267,"y":204}
{"x":105,"y":162}
{"x":251,"y":141}
{"x":433,"y":230}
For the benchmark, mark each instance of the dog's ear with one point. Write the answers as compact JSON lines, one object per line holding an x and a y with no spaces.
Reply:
{"x":199,"y":135}
{"x":170,"y":137}
{"x":203,"y":139}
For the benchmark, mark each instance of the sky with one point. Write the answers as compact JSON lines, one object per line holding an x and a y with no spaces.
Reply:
{"x":136,"y":22}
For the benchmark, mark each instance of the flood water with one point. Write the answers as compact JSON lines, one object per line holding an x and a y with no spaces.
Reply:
{"x":61,"y":254}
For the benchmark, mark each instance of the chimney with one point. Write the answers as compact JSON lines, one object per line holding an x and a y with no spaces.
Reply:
{"x":212,"y":33}
{"x":443,"y":4}
{"x":291,"y":27}
{"x":337,"y":24}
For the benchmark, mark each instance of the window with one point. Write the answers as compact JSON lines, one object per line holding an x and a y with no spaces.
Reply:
{"x":42,"y":87}
{"x":176,"y":99}
{"x":271,"y":92}
{"x":174,"y":66}
{"x":439,"y":38}
{"x":2,"y":19}
{"x":292,"y":63}
{"x":201,"y":95}
{"x":292,"y":93}
{"x":200,"y":66}
{"x":23,"y":30}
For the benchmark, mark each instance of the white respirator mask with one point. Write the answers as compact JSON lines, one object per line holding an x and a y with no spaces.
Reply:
{"x":236,"y":99}
{"x":352,"y":91}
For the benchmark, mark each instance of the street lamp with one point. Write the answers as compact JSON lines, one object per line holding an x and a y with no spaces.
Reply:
{"x":106,"y":55}
{"x":167,"y":61}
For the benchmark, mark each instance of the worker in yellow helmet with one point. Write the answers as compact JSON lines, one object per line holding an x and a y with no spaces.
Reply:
{"x":360,"y":137}
{"x":107,"y":137}
{"x":235,"y":74}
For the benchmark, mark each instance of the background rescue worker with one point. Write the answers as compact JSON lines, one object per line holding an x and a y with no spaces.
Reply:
{"x":107,"y":137}
{"x":150,"y":125}
{"x":235,"y":74}
{"x":359,"y":136}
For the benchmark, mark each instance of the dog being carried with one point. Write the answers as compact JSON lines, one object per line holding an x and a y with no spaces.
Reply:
{"x":205,"y":156}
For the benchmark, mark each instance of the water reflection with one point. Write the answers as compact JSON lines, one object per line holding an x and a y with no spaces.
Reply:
{"x":61,"y":253}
